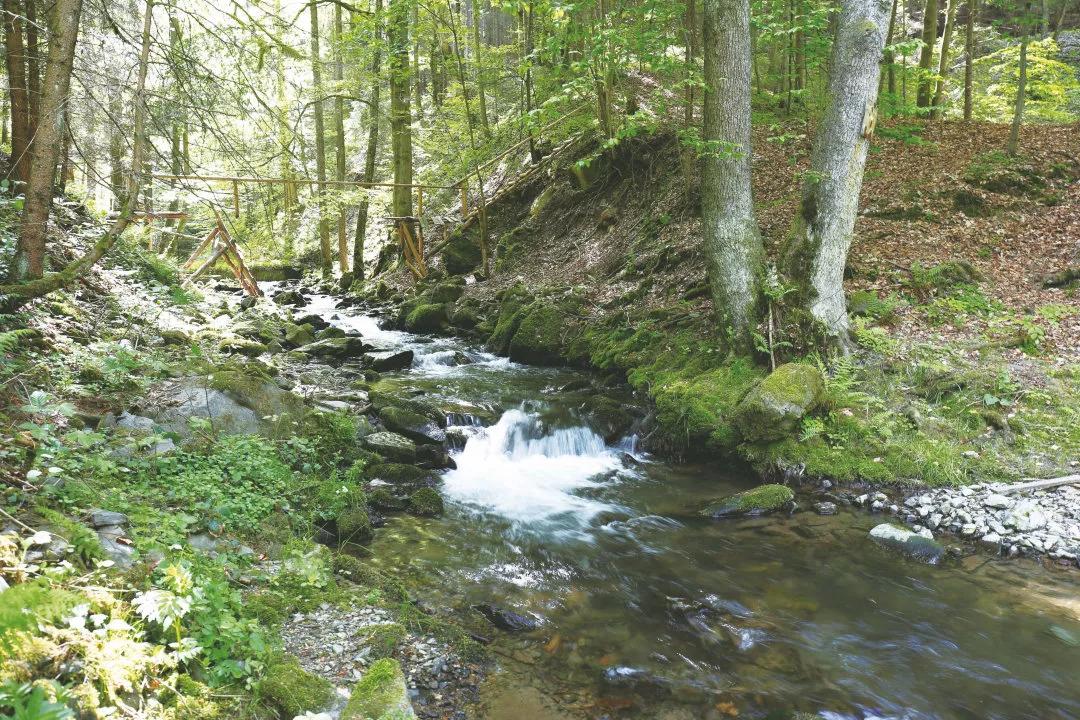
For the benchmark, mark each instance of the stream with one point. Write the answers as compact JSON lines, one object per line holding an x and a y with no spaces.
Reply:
{"x":649,"y":611}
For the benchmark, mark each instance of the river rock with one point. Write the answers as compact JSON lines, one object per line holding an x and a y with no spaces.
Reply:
{"x":389,"y":360}
{"x":507,"y":619}
{"x":910,"y":544}
{"x":1026,"y":516}
{"x":104,"y":518}
{"x":775,"y":407}
{"x":235,"y":402}
{"x":380,"y":694}
{"x":121,"y":553}
{"x":392,"y":446}
{"x":998,"y":501}
{"x":762,"y":500}
{"x":290,"y":297}
{"x":299,"y":335}
{"x":336,"y":349}
{"x":825,"y":508}
{"x":317,"y":322}
{"x":412,"y":425}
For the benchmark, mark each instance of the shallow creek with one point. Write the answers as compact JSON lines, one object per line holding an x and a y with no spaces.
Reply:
{"x":651,"y":612}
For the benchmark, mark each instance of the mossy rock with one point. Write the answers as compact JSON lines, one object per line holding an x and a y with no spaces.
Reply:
{"x":774,"y":409}
{"x":242,"y":346}
{"x":297,"y":335}
{"x":464,"y":317}
{"x":762,"y":500}
{"x":392,"y":446}
{"x":384,"y":639}
{"x":360,"y":573}
{"x":462,"y":254}
{"x":445,"y":292}
{"x":398,"y":473}
{"x":292,"y":690}
{"x":908,"y":543}
{"x":330,"y":333}
{"x":608,"y":417}
{"x":382,"y":498}
{"x":381,"y":694}
{"x":336,"y":348}
{"x":412,"y":425}
{"x":431,"y":317}
{"x":354,"y":526}
{"x":538,"y":339}
{"x":514,"y":301}
{"x":382,"y":395}
{"x":426,"y":502}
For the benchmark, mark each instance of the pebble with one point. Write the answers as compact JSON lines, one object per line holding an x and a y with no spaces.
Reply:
{"x":1041,"y":523}
{"x":825,"y":508}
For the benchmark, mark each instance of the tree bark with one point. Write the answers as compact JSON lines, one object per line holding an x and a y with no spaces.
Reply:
{"x":20,"y":102}
{"x":320,"y":144}
{"x":816,"y":253}
{"x":733,"y":247}
{"x":339,"y":139}
{"x":926,"y":55}
{"x":400,"y":112}
{"x":14,"y":296}
{"x":691,"y":61}
{"x":1021,"y":90}
{"x":33,"y":67}
{"x":969,"y":57}
{"x":45,"y":151}
{"x":481,"y":85}
{"x":936,"y":110}
{"x":372,"y":149}
{"x":890,"y":58}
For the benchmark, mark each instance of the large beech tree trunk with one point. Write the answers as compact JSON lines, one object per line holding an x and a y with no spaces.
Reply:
{"x":817,"y":251}
{"x":372,"y":146}
{"x":45,"y":151}
{"x":733,"y":247}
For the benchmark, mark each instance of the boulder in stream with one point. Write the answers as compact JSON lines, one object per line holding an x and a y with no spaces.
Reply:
{"x":428,"y":318}
{"x":391,"y":445}
{"x":337,"y":349}
{"x":412,"y":425}
{"x":507,"y":619}
{"x":389,"y":360}
{"x":290,"y":297}
{"x":762,"y":500}
{"x":908,"y":543}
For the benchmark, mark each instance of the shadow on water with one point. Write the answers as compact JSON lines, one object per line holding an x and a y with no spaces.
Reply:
{"x":650,"y":611}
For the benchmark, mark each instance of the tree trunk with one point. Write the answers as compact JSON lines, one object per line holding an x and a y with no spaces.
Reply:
{"x":400,"y":113}
{"x":691,"y":61}
{"x":45,"y":151}
{"x":733,"y":248}
{"x":417,"y":78}
{"x":926,"y":55}
{"x":969,"y":56}
{"x":320,"y":144}
{"x":289,"y":195}
{"x":33,"y":68}
{"x":817,"y":251}
{"x":1021,"y":91}
{"x":937,"y":109}
{"x":481,"y":87}
{"x":117,"y":184}
{"x":1060,"y":19}
{"x":20,"y":102}
{"x":15,"y":296}
{"x":890,"y":58}
{"x":372,"y":145}
{"x":339,"y":139}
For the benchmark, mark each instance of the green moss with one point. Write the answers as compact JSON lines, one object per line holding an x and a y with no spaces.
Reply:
{"x":26,"y":604}
{"x":398,"y":473}
{"x":242,"y":346}
{"x":383,"y":639}
{"x":382,"y":498}
{"x":427,"y":318}
{"x":363,"y":574}
{"x":292,"y":690}
{"x":775,"y":407}
{"x":697,"y":412}
{"x":354,"y":526}
{"x":540,"y":334}
{"x":380,"y":695}
{"x":445,"y":292}
{"x":426,"y":502}
{"x":762,"y":500}
{"x":514,"y":300}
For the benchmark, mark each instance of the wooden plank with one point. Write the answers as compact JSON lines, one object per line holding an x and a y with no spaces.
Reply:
{"x":202,"y":246}
{"x":218,"y":251}
{"x":1042,"y":484}
{"x":274,"y":180}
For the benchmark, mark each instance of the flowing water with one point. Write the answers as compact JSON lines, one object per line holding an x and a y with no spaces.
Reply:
{"x":649,"y":611}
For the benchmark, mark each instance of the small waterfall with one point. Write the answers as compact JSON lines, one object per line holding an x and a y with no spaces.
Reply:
{"x":520,"y":470}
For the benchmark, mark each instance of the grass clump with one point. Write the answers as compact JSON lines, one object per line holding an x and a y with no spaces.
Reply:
{"x":292,"y":690}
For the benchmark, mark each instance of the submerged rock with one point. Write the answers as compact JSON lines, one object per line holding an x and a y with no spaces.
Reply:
{"x":507,"y":619}
{"x":774,"y":408}
{"x":908,"y":543}
{"x":380,"y":694}
{"x":426,"y":502}
{"x":762,"y":500}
